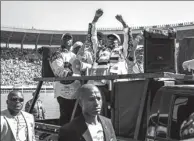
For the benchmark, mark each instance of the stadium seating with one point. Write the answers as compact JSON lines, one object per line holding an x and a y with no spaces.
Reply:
{"x":19,"y":68}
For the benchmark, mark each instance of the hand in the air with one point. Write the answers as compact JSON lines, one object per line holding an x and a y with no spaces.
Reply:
{"x":119,"y":18}
{"x":99,"y":13}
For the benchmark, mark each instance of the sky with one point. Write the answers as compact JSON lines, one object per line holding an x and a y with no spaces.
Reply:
{"x":75,"y":15}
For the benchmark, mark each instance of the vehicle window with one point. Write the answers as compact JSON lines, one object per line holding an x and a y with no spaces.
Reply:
{"x":182,"y":109}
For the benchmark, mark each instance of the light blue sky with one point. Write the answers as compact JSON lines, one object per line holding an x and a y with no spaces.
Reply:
{"x":75,"y":15}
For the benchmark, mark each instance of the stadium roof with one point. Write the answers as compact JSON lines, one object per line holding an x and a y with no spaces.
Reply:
{"x":13,"y":35}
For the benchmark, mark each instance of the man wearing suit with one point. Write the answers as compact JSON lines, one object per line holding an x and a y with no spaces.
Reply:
{"x":90,"y":126}
{"x":16,"y":125}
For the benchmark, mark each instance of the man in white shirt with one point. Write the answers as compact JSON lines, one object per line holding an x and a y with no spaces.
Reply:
{"x":61,"y":65}
{"x":16,"y":125}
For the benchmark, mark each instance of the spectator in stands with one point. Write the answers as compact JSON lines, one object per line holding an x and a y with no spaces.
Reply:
{"x":22,"y":65}
{"x":61,"y":65}
{"x":38,"y":110}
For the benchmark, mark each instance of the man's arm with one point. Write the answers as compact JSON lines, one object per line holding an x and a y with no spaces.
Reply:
{"x":129,"y":45}
{"x":137,"y":39}
{"x":57,"y":65}
{"x":87,"y":53}
{"x":128,"y":38}
{"x":94,"y":38}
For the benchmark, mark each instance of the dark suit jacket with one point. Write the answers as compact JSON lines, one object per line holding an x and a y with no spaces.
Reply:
{"x":77,"y":130}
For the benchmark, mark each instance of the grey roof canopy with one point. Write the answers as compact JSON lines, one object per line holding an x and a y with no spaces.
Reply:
{"x":10,"y":35}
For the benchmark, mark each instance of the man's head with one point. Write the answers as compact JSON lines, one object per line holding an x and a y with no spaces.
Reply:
{"x":66,"y":41}
{"x":15,"y":101}
{"x":139,"y":54}
{"x":113,"y":40}
{"x":76,"y":46}
{"x":90,"y":100}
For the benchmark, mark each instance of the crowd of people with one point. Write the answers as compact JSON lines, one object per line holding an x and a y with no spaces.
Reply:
{"x":20,"y":67}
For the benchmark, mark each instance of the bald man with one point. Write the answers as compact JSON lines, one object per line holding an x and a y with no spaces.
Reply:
{"x":90,"y":126}
{"x":16,"y":125}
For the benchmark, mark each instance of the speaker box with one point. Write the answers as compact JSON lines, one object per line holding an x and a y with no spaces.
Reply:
{"x":159,"y":51}
{"x":46,"y":54}
{"x":128,"y":96}
{"x":185,"y":52}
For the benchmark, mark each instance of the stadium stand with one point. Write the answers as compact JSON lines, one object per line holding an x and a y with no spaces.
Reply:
{"x":19,"y":65}
{"x":19,"y":68}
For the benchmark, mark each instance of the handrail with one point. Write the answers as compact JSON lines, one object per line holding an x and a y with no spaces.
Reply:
{"x":127,"y":76}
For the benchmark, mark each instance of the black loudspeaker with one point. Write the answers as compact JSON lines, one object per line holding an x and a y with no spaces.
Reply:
{"x":46,"y":54}
{"x":159,"y":48}
{"x":127,"y":104}
{"x":185,"y":53}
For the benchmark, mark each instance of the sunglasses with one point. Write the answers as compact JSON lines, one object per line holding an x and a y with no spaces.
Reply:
{"x":17,"y":99}
{"x":67,"y":38}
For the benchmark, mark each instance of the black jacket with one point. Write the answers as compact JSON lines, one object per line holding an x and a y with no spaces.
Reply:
{"x":77,"y":130}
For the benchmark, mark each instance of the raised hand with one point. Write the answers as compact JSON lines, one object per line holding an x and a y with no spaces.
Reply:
{"x":99,"y":13}
{"x":119,"y":18}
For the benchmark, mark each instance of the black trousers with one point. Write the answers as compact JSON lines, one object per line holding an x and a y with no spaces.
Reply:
{"x":66,"y":109}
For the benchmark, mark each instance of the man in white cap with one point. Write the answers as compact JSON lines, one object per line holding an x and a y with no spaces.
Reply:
{"x":122,"y":54}
{"x":61,"y":64}
{"x":76,"y":46}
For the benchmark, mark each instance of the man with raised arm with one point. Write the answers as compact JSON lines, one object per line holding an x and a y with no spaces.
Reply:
{"x":87,"y":53}
{"x":123,"y":54}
